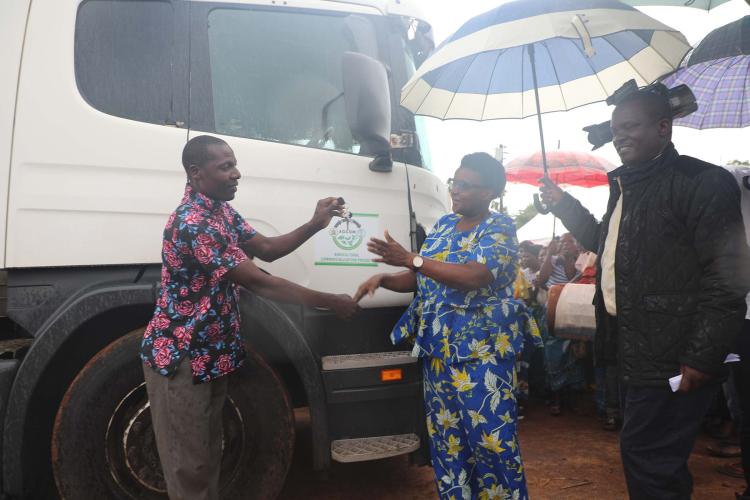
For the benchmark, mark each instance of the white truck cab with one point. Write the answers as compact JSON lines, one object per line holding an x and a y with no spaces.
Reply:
{"x":97,"y":99}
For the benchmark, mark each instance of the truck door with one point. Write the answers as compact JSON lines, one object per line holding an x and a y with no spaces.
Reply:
{"x":268,"y":80}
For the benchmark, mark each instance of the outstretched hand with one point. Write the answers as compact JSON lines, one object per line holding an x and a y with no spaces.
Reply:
{"x":390,"y":251}
{"x":325,"y":210}
{"x":368,"y":287}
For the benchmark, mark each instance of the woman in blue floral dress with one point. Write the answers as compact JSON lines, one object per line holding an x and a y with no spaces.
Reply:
{"x":466,"y":324}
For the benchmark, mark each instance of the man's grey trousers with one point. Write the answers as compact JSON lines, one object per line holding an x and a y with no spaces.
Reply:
{"x":188,"y":427}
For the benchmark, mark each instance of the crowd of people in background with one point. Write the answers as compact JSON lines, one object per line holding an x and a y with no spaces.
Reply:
{"x":564,"y":369}
{"x":564,"y":372}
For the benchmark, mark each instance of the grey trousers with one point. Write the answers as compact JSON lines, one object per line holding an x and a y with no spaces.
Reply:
{"x":188,"y":427}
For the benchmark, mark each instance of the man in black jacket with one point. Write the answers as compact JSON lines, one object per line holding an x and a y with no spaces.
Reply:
{"x":671,"y":282}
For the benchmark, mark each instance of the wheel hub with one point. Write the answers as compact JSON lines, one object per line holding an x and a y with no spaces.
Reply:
{"x":131,"y":446}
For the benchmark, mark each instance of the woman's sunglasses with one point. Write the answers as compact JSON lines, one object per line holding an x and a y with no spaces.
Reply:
{"x":456,"y":185}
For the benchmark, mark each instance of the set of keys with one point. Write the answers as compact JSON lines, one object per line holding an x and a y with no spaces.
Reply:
{"x":345,"y":212}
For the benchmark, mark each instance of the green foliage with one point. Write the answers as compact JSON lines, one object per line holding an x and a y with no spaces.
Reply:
{"x":524,"y":216}
{"x":496,"y":205}
{"x":745,"y":163}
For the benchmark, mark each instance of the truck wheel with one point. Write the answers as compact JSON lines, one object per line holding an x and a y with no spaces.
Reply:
{"x":103,"y":443}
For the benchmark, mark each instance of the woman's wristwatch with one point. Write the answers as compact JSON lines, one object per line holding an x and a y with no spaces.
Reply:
{"x":416,"y":263}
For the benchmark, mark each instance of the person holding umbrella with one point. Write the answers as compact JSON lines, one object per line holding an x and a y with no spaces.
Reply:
{"x":718,"y":71}
{"x":671,"y":284}
{"x":469,"y":329}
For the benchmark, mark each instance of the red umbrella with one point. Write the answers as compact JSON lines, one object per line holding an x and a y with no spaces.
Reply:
{"x":564,"y":167}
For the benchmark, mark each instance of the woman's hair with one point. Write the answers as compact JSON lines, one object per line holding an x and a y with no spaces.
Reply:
{"x":530,"y":247}
{"x":491,"y":170}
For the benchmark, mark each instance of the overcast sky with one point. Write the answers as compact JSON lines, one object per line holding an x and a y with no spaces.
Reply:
{"x":450,"y":140}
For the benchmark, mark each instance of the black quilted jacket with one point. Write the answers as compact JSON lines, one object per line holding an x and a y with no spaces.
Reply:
{"x":681,"y":268}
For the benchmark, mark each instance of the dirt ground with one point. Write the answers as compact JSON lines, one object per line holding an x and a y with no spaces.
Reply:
{"x":566,"y":457}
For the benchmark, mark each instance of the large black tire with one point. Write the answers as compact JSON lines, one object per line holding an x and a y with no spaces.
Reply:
{"x":103,"y":445}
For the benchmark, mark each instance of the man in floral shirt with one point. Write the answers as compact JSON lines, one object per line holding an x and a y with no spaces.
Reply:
{"x":204,"y":259}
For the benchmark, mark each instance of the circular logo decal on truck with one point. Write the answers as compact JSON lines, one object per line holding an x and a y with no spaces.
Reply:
{"x":347,"y":234}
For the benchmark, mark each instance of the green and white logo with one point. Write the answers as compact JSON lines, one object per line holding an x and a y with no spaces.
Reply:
{"x":343,"y":243}
{"x":347,"y":234}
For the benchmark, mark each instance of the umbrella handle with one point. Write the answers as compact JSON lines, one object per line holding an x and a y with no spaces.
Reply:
{"x":538,"y":204}
{"x":540,"y":207}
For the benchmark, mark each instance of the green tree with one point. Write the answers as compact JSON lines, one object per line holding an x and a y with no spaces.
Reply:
{"x":745,"y":163}
{"x":524,"y":216}
{"x":496,"y":205}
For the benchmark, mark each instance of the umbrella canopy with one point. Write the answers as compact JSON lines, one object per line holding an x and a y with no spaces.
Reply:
{"x":698,"y":4}
{"x":730,"y":40}
{"x":582,"y":51}
{"x":564,"y":167}
{"x":718,"y":73}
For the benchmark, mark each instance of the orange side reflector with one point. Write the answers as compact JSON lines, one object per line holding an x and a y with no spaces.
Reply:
{"x":391,"y":375}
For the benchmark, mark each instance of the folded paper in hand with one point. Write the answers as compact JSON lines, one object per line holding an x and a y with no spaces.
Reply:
{"x":675,"y":381}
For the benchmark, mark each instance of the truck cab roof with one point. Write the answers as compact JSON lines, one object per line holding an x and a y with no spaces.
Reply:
{"x":407,"y":8}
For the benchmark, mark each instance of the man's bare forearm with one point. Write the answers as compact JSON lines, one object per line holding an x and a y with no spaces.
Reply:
{"x":281,"y":290}
{"x":271,"y":248}
{"x":545,"y":271}
{"x":275,"y":288}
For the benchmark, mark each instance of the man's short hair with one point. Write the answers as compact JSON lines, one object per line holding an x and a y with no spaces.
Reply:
{"x":195,"y":151}
{"x":490,"y":170}
{"x":656,"y":105}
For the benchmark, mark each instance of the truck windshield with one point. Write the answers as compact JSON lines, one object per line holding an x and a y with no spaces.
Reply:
{"x":275,"y":75}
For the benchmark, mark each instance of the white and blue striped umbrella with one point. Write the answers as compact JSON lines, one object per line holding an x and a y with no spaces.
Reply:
{"x":583,"y":50}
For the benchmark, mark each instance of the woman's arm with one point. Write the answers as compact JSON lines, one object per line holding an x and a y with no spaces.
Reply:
{"x":405,"y":281}
{"x":469,"y":276}
{"x":465,"y":277}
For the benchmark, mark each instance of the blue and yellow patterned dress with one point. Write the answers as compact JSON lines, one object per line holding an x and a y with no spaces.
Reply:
{"x":470,"y":340}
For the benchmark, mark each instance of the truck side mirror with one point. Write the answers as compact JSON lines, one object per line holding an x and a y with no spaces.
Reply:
{"x":368,"y":107}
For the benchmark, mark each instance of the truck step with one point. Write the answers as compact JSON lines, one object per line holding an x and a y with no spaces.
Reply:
{"x":368,"y":360}
{"x":373,"y":448}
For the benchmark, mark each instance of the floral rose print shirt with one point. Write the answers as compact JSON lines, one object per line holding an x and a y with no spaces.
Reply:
{"x":197,"y":313}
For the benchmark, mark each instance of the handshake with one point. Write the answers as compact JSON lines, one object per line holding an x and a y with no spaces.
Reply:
{"x":346,"y":306}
